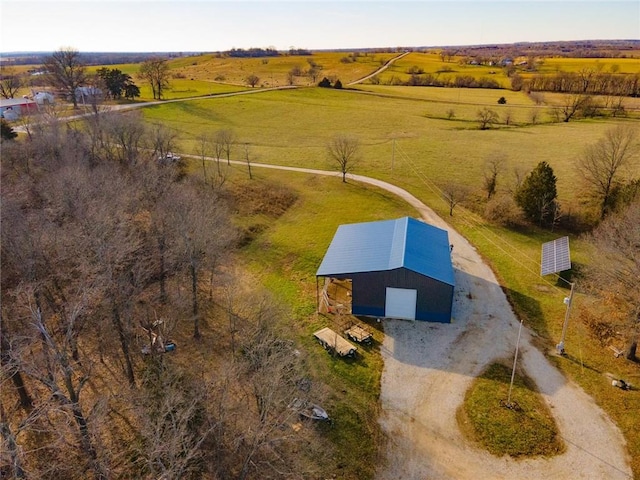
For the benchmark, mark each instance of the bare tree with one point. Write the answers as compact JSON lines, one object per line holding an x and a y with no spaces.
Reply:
{"x":273,"y":372}
{"x":11,"y":369}
{"x":615,"y":270}
{"x":571,"y":106}
{"x":486,"y":118}
{"x":586,"y":76}
{"x":313,"y":73}
{"x":617,"y":105}
{"x":508,"y":117}
{"x":63,"y":377}
{"x":173,"y":422}
{"x":219,"y":145}
{"x":203,"y":145}
{"x":453,"y":194}
{"x":533,"y":116}
{"x":345,"y":151}
{"x":227,"y":138}
{"x":602,"y":162}
{"x":519,"y":174}
{"x":252,"y":80}
{"x":11,"y":446}
{"x":494,"y":165}
{"x":66,"y":71}
{"x":125,"y":137}
{"x":163,"y":140}
{"x":291,"y":77}
{"x":247,"y":158}
{"x":155,"y":71}
{"x":204,"y":233}
{"x":10,"y":83}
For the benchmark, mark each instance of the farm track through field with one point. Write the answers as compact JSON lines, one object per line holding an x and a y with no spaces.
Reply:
{"x":387,"y":64}
{"x":429,"y":367}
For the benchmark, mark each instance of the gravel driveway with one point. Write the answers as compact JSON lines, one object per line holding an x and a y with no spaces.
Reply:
{"x":429,"y":367}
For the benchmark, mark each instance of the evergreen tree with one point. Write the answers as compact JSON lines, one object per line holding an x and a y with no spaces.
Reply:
{"x":118,"y":84}
{"x":325,"y":83}
{"x":7,"y":131}
{"x":338,"y":84}
{"x":537,"y":195}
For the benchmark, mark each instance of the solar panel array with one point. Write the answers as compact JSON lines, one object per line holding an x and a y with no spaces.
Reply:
{"x":555,"y":256}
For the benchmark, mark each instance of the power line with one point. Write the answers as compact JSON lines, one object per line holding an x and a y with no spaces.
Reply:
{"x":470,"y":220}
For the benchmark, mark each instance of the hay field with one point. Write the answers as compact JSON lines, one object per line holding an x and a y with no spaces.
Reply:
{"x":431,"y":63}
{"x":293,"y":128}
{"x":273,"y":71}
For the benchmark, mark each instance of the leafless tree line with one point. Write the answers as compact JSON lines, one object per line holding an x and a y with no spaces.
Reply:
{"x":587,"y":81}
{"x":101,"y":241}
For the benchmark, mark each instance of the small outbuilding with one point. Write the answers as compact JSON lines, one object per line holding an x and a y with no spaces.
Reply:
{"x":12,"y":108}
{"x":398,"y":269}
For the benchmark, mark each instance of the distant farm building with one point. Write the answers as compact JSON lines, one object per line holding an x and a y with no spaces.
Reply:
{"x":398,"y":269}
{"x":12,"y":108}
{"x":88,"y":94}
{"x":43,"y":98}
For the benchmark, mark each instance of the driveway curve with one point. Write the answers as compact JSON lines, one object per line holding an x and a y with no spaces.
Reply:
{"x":428,"y":368}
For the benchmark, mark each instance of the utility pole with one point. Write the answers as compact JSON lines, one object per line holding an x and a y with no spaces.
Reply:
{"x":515,"y":361}
{"x":568,"y":300}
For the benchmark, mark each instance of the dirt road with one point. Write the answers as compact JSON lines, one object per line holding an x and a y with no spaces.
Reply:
{"x":380,"y":70}
{"x":428,"y":367}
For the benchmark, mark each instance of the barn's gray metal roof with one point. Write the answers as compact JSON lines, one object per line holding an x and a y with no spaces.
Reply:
{"x":387,"y":245}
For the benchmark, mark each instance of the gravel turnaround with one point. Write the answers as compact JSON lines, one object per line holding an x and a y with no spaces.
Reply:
{"x":428,"y":367}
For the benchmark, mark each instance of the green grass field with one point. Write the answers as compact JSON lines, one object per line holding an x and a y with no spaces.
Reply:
{"x":431,"y":63}
{"x":525,"y":431}
{"x":409,"y":138}
{"x":293,"y":127}
{"x":284,"y":257}
{"x":605,"y":65}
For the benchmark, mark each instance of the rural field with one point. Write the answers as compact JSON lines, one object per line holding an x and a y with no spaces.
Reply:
{"x":423,"y":139}
{"x":409,"y":138}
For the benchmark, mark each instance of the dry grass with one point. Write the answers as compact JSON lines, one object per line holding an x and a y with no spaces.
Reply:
{"x":431,"y":63}
{"x":273,"y":71}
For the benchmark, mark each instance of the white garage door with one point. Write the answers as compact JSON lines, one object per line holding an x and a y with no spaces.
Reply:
{"x":401,"y":303}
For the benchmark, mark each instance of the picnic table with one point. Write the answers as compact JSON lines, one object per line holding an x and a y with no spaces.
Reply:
{"x":332,"y":341}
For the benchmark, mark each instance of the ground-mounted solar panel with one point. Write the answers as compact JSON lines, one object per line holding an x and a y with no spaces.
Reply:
{"x":555,"y":256}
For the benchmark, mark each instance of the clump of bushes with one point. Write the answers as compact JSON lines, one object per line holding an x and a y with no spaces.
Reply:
{"x":326,"y":83}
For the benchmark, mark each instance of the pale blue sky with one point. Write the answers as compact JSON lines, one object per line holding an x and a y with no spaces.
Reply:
{"x":212,"y":25}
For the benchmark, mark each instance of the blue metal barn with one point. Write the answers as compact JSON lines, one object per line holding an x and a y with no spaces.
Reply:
{"x":398,"y":268}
